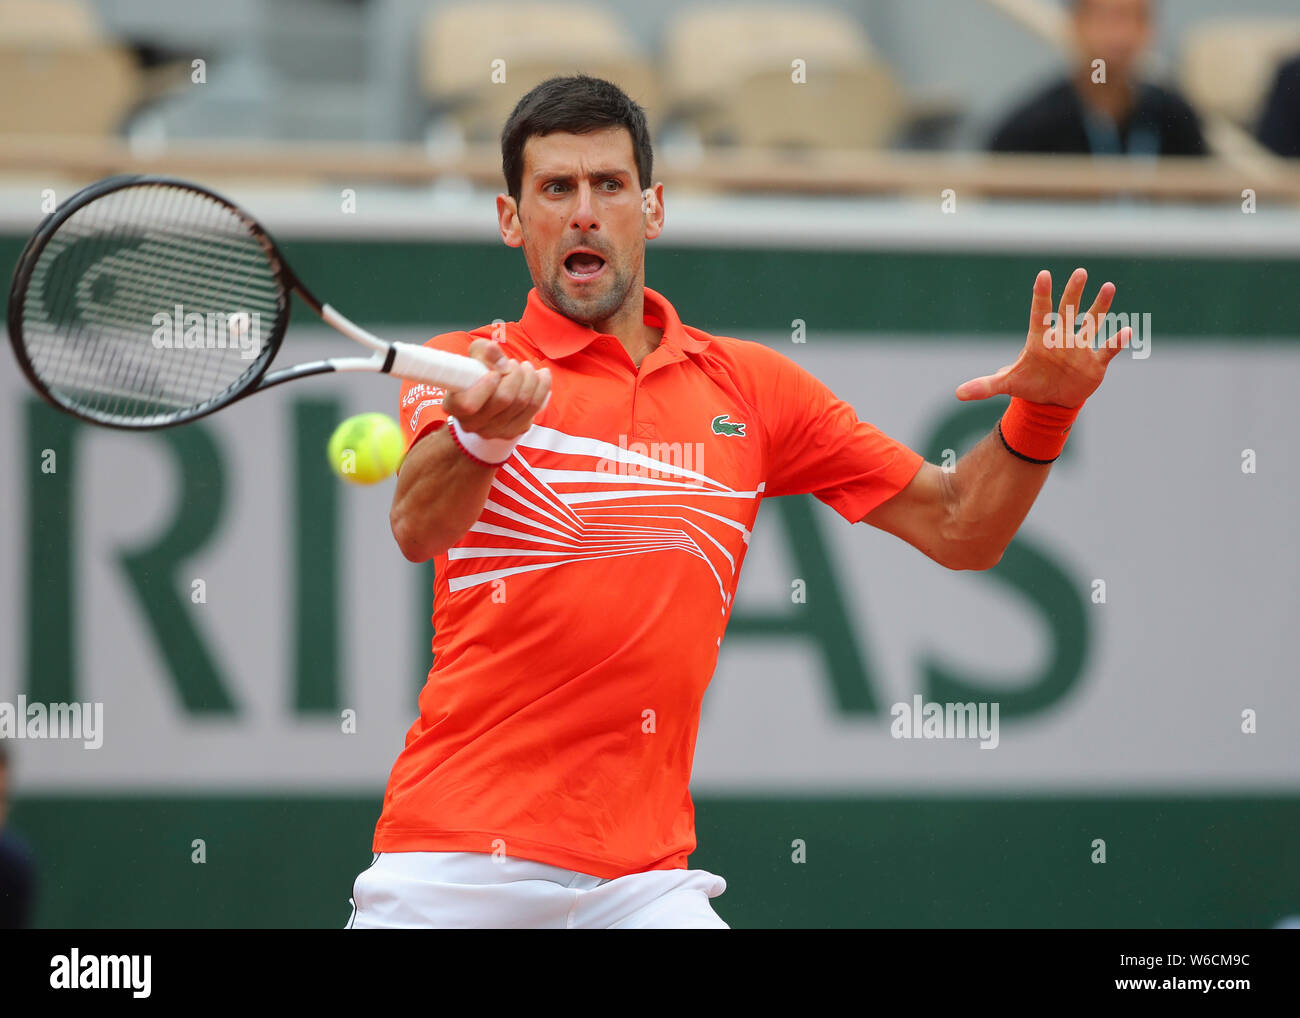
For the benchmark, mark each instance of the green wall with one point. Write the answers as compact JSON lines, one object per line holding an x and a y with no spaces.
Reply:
{"x":730,"y":291}
{"x":1000,"y":861}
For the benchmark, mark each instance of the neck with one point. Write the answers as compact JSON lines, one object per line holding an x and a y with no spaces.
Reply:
{"x":629,"y":328}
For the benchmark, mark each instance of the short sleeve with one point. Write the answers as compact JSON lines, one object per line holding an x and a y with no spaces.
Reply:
{"x":817,"y":444}
{"x":420,"y":408}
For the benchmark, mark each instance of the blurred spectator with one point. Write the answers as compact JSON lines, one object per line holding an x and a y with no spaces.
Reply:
{"x":1279,"y":128}
{"x":1121,"y":115}
{"x":17,"y":873}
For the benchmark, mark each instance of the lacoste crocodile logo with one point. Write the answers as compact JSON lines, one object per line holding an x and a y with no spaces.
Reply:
{"x":721,"y":426}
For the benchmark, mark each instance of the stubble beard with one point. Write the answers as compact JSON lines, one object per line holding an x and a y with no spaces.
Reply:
{"x":595,"y":308}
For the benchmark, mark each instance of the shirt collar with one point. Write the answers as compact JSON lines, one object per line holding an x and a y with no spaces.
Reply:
{"x":558,"y":336}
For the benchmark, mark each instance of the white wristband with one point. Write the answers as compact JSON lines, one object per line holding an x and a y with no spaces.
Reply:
{"x":489,"y":450}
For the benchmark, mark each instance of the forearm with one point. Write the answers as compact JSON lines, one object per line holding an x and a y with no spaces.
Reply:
{"x":440,"y":493}
{"x":984,"y":501}
{"x":991,"y":492}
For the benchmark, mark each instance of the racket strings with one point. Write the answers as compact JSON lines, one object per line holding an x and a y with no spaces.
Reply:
{"x":128,"y":310}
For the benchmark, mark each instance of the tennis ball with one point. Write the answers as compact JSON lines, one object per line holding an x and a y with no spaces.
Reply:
{"x":366,"y":448}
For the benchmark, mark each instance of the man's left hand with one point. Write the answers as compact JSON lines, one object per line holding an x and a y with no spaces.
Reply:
{"x":1057,"y":365}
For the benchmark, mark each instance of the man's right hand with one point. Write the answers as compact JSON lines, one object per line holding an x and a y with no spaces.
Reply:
{"x":503,"y":403}
{"x":440,"y":492}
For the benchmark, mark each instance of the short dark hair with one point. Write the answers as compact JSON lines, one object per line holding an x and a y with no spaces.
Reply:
{"x":578,"y":104}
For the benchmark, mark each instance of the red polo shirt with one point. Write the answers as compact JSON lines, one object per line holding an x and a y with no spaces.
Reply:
{"x":578,"y":620}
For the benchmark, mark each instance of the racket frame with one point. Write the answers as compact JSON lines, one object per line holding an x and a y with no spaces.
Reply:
{"x":256,"y":378}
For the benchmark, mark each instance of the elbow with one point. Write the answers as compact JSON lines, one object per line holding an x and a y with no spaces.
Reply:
{"x":411,"y":550}
{"x":981,"y":564}
{"x":975,"y":558}
{"x":413,"y":544}
{"x":967,"y":543}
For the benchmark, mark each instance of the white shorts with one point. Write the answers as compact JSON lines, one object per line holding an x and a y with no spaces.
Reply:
{"x":475,"y":890}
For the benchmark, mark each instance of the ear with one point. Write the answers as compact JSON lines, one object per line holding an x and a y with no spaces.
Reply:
{"x":652,"y":205}
{"x":508,"y":220}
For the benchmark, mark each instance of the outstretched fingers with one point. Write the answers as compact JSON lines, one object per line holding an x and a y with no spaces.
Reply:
{"x":1040,"y":306}
{"x":1092,"y":318}
{"x":1111,"y":348}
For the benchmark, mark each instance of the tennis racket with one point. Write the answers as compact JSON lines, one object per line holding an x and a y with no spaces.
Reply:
{"x":147,"y":302}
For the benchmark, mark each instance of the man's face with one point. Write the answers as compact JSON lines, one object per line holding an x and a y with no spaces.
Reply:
{"x":582,"y":222}
{"x":1116,"y":31}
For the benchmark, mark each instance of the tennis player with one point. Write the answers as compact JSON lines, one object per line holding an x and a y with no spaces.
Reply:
{"x":587,"y":547}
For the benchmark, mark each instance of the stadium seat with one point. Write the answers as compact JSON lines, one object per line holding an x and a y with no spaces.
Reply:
{"x":1228,"y":64}
{"x":62,"y":76}
{"x":536,"y":41}
{"x":730,"y":71}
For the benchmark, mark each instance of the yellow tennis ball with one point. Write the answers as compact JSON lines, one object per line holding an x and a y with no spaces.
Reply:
{"x":366,"y":448}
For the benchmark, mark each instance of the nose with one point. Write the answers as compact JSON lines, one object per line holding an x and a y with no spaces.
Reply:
{"x":584,"y":214}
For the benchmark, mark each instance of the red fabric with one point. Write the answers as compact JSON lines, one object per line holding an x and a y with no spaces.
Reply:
{"x":578,"y":622}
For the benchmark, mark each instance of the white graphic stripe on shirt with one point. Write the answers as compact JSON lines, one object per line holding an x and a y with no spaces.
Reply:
{"x":551,"y":512}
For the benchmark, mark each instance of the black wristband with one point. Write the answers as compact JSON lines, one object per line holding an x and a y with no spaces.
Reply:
{"x":1021,"y":455}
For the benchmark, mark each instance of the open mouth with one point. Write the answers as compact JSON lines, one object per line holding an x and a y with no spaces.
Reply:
{"x":584,"y":265}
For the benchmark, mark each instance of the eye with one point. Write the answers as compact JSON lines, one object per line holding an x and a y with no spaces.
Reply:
{"x":613,"y":181}
{"x":554,"y":183}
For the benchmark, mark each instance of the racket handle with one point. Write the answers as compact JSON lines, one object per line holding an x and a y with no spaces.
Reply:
{"x":446,"y":370}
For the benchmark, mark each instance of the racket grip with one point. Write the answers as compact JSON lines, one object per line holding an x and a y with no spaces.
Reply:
{"x":446,"y":370}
